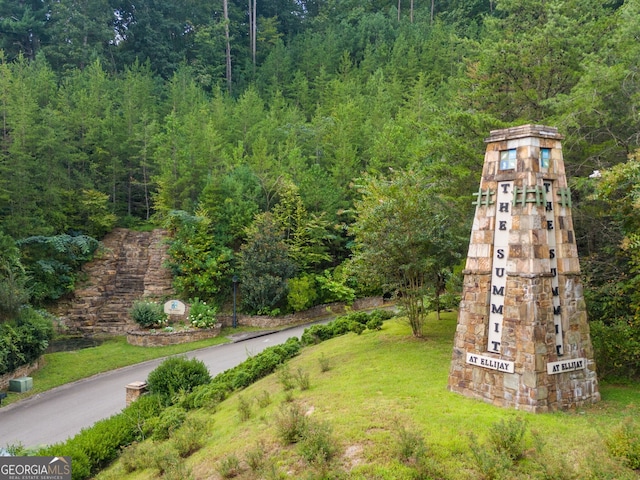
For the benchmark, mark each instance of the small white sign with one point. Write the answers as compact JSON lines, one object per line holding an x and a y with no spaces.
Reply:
{"x":174,"y":307}
{"x":566,"y":366}
{"x":491,"y":363}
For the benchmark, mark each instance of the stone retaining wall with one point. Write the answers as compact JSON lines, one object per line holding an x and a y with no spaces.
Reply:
{"x":160,"y":338}
{"x":23,"y":371}
{"x":317,"y":312}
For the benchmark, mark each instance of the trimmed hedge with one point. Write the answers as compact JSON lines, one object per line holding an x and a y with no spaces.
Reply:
{"x":355,"y":322}
{"x":95,"y":447}
{"x":243,"y":375}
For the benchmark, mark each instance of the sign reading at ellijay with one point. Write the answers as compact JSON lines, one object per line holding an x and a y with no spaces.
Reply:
{"x":522,"y":304}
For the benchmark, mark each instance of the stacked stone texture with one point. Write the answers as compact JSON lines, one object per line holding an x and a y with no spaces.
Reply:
{"x":129,"y":268}
{"x":528,"y":331}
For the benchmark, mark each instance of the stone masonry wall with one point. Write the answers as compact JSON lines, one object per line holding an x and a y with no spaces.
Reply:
{"x":129,"y":268}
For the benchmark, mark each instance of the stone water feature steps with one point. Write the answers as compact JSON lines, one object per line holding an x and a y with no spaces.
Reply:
{"x":131,"y":267}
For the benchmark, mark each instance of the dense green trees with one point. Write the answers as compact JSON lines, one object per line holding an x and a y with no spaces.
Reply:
{"x":113,"y":113}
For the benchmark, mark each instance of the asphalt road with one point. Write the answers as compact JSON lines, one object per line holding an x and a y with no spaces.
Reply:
{"x":60,"y":413}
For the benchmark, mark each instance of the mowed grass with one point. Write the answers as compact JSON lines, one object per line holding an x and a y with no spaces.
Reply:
{"x":66,"y":367}
{"x":379,"y":385}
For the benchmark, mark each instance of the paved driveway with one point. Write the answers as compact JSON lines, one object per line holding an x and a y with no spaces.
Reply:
{"x":60,"y":413}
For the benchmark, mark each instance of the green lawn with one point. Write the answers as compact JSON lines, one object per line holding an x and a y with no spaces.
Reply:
{"x":386,"y":390}
{"x":65,"y":367}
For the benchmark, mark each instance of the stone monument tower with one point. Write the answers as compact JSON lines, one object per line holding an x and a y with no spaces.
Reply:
{"x":522,"y":339}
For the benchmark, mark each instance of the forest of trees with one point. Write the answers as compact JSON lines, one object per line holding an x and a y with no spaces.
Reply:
{"x":241,"y":125}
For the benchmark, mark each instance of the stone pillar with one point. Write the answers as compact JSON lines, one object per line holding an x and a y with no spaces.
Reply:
{"x":134,"y":390}
{"x":522,"y":339}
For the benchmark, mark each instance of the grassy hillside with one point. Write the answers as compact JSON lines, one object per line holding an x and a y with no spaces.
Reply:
{"x":377,"y":407}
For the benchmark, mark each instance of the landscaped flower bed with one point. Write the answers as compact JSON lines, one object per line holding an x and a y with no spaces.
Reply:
{"x":171,"y":335}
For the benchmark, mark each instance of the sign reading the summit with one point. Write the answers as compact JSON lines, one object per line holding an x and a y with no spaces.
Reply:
{"x":522,"y":339}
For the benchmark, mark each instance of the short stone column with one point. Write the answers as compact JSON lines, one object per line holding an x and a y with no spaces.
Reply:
{"x":134,"y":390}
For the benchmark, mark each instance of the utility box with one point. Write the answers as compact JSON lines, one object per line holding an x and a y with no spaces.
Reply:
{"x":21,"y":384}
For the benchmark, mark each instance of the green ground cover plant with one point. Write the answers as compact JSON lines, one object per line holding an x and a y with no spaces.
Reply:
{"x":385,"y":412}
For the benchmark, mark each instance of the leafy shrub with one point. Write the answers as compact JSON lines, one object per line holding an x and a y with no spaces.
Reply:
{"x":302,"y":379}
{"x":206,"y":396}
{"x":261,"y":364}
{"x":374,"y":323}
{"x":148,"y":314}
{"x":358,"y":328}
{"x":169,"y":420}
{"x":23,"y":340}
{"x":190,"y":437}
{"x":264,"y":399}
{"x":52,"y":263}
{"x":491,"y":464}
{"x":136,"y":456}
{"x":291,"y":423}
{"x":508,"y":437}
{"x":244,"y":408}
{"x":316,"y":334}
{"x":167,"y":462}
{"x":624,"y":442}
{"x":202,"y":315}
{"x":411,"y":445}
{"x":334,"y":289}
{"x":317,"y":446}
{"x":617,"y":349}
{"x":229,"y":466}
{"x":286,"y":378}
{"x":255,"y":457}
{"x":175,"y":375}
{"x":245,"y":374}
{"x":302,"y":293}
{"x":355,"y":322}
{"x":506,"y":445}
{"x":95,"y":447}
{"x":325,"y":363}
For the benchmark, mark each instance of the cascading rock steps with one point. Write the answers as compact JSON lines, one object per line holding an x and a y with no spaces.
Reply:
{"x":130,"y":267}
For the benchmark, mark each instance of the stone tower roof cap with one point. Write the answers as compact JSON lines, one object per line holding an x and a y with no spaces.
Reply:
{"x":523,"y":131}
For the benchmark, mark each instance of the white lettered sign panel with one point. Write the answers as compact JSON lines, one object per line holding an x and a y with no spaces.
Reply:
{"x":491,"y":363}
{"x":566,"y":366}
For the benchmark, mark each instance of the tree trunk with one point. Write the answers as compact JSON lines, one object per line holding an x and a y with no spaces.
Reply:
{"x":225,"y":5}
{"x":411,"y":12}
{"x":254,"y":32}
{"x":399,"y":9}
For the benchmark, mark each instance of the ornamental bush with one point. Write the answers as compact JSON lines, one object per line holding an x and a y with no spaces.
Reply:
{"x":148,"y":314}
{"x":202,"y":315}
{"x":177,"y":375}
